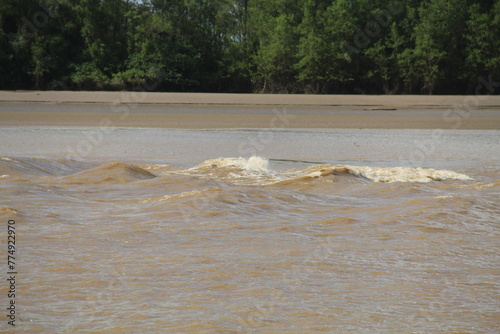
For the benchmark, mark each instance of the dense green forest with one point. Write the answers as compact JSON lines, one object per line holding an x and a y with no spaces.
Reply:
{"x":278,"y":46}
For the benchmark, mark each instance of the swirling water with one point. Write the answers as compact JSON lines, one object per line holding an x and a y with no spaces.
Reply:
{"x":331,"y":231}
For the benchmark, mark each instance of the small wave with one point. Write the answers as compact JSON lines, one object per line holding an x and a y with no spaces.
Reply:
{"x":252,"y":171}
{"x":255,"y":170}
{"x":339,"y":173}
{"x":36,"y":166}
{"x":6,"y":209}
{"x":488,"y":185}
{"x":115,"y":172}
{"x":8,"y":212}
{"x":157,"y":169}
{"x":404,"y":174}
{"x":204,"y":193}
{"x":252,"y":164}
{"x":382,"y":174}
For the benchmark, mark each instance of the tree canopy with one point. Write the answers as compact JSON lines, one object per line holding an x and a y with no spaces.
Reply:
{"x":275,"y":46}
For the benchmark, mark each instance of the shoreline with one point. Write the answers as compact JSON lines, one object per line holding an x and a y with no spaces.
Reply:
{"x":232,"y":111}
{"x":343,"y":101}
{"x":224,"y":121}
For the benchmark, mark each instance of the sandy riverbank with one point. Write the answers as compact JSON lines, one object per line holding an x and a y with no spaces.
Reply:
{"x":344,"y":101}
{"x":201,"y":110}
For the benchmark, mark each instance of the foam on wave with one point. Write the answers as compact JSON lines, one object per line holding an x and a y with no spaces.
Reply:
{"x":259,"y":167}
{"x":252,"y":164}
{"x":390,"y":174}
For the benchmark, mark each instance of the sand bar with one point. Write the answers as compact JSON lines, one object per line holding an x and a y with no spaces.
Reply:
{"x":208,"y":111}
{"x":344,"y":101}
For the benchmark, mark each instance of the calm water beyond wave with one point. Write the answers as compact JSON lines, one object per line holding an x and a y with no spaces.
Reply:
{"x":252,"y":231}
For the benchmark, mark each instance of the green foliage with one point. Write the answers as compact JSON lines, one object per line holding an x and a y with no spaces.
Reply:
{"x":280,"y":46}
{"x":275,"y":52}
{"x":482,"y":42}
{"x":438,"y":41}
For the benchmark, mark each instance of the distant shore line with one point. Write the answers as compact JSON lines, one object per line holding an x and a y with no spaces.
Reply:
{"x":368,"y":102}
{"x":231,"y":111}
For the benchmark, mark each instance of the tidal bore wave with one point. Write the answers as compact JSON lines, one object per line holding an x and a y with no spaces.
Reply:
{"x":241,"y":171}
{"x":120,"y":240}
{"x":255,"y":170}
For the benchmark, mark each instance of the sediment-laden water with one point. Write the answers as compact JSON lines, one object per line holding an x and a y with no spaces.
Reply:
{"x":331,"y":231}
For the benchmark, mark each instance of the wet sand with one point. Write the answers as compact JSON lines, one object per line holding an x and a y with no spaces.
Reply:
{"x":201,"y":110}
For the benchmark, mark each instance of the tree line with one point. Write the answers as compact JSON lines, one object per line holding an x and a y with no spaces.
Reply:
{"x":275,"y":46}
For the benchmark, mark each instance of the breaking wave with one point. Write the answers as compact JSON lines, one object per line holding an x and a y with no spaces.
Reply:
{"x":240,"y":171}
{"x":257,"y":169}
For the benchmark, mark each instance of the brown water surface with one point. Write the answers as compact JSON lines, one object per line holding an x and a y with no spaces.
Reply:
{"x":331,"y":231}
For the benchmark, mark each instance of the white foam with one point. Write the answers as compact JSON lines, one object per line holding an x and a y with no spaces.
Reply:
{"x":257,"y":169}
{"x":257,"y":164}
{"x":405,"y":174}
{"x":252,"y":164}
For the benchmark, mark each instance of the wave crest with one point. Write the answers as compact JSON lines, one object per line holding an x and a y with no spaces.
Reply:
{"x":256,"y":169}
{"x":393,"y":174}
{"x":115,"y":172}
{"x":252,"y":164}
